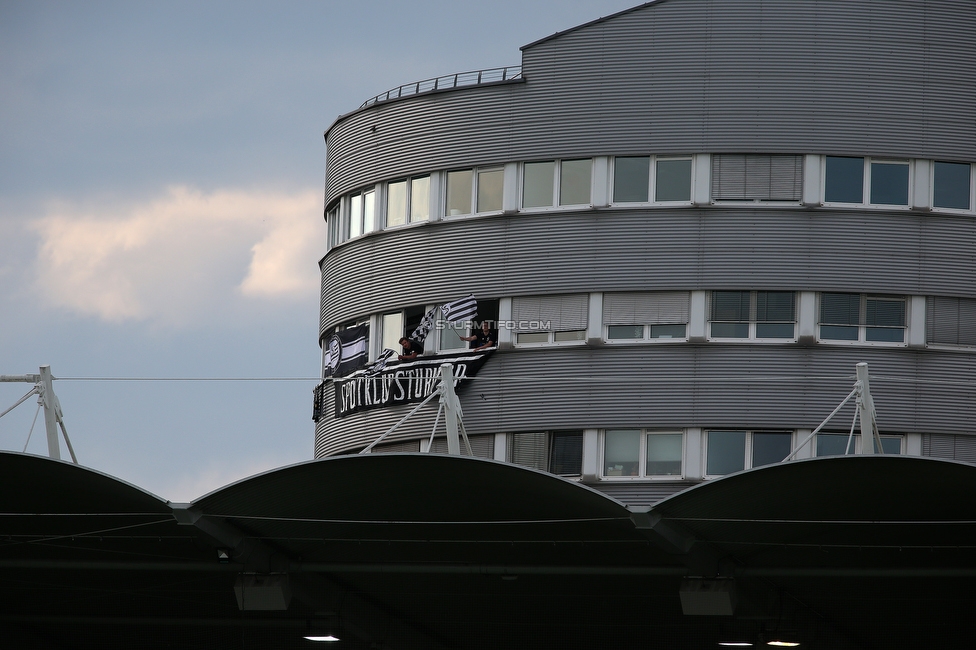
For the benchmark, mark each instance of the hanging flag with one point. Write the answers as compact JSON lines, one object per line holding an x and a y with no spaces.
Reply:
{"x":380,"y":363}
{"x":347,"y":351}
{"x":461,"y":309}
{"x":426,"y":325}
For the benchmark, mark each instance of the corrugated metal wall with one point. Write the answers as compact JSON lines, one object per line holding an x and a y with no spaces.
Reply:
{"x":858,"y":77}
{"x":885,"y":251}
{"x":666,"y":386}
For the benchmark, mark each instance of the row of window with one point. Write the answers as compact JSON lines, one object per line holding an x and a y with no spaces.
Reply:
{"x":657,"y":455}
{"x":653,"y":180}
{"x":639,"y":453}
{"x":661,"y":317}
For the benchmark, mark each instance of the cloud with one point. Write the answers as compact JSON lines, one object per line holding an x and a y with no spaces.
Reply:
{"x":184,"y":255}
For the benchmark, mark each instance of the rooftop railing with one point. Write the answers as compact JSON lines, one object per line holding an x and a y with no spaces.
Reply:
{"x":448,"y":82}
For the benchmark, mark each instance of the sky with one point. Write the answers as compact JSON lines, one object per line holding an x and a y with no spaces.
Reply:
{"x":162,"y":168}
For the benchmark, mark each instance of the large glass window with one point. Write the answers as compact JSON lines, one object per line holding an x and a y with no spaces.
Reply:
{"x":459,"y":192}
{"x":646,"y":315}
{"x":757,"y":177}
{"x":558,"y":452}
{"x":333,"y":221}
{"x":843,"y":444}
{"x":732,"y":451}
{"x":632,"y":179}
{"x":952,"y":185}
{"x":855,"y":317}
{"x":844,"y":180}
{"x":490,"y":187}
{"x":538,"y":181}
{"x":950,"y":321}
{"x":753,"y":314}
{"x":550,"y":319}
{"x":574,"y":181}
{"x":889,"y":183}
{"x":641,"y":453}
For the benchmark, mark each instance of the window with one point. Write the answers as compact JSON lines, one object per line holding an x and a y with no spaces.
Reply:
{"x":889,"y":183}
{"x":842,"y":444}
{"x":950,"y":321}
{"x":844,"y":181}
{"x":632,"y":179}
{"x":420,"y":199}
{"x":408,"y":201}
{"x":550,"y":319}
{"x":569,"y":181}
{"x":392,"y":330}
{"x":459,"y":192}
{"x":470,"y":191}
{"x":361,"y":213}
{"x":538,"y":181}
{"x":396,"y":203}
{"x":646,"y":315}
{"x":450,"y":334}
{"x":333,"y":223}
{"x":732,"y":451}
{"x":641,"y":453}
{"x":860,"y":318}
{"x":952,"y":184}
{"x":753,"y":314}
{"x":574,"y":182}
{"x":558,"y":452}
{"x":757,"y":177}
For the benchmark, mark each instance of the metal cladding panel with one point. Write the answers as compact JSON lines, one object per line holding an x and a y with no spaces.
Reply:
{"x":857,"y":77}
{"x":877,"y":251}
{"x":640,"y":493}
{"x":678,"y":385}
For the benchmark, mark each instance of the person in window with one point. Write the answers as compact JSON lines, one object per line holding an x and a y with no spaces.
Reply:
{"x":483,"y":338}
{"x":412,"y":349}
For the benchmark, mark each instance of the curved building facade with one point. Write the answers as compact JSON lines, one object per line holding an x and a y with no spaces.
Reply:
{"x":690,"y":221}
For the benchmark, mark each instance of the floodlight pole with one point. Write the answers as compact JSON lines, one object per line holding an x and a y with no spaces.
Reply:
{"x":452,"y":409}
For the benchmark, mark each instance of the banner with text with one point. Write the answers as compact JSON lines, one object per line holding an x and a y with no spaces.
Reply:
{"x":402,"y":383}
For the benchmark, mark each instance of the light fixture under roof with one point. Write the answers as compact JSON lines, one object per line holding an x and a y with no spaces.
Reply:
{"x":327,"y":637}
{"x":735,"y":644}
{"x":783,"y":644}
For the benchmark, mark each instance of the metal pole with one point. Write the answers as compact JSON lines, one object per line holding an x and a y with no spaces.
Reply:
{"x":865,"y":405}
{"x":50,"y":413}
{"x":451,"y":409}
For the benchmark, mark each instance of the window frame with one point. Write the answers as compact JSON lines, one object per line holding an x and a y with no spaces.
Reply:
{"x":752,"y":319}
{"x":857,"y":443}
{"x":866,"y":179}
{"x":862,"y":321}
{"x":551,"y":338}
{"x":642,"y":456}
{"x":652,"y":199}
{"x":972,"y":189}
{"x":475,"y":180}
{"x":557,"y":180}
{"x":748,"y":448}
{"x":408,"y":182}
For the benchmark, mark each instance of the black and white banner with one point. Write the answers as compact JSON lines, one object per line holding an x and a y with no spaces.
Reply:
{"x":402,"y":383}
{"x":346,"y":352}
